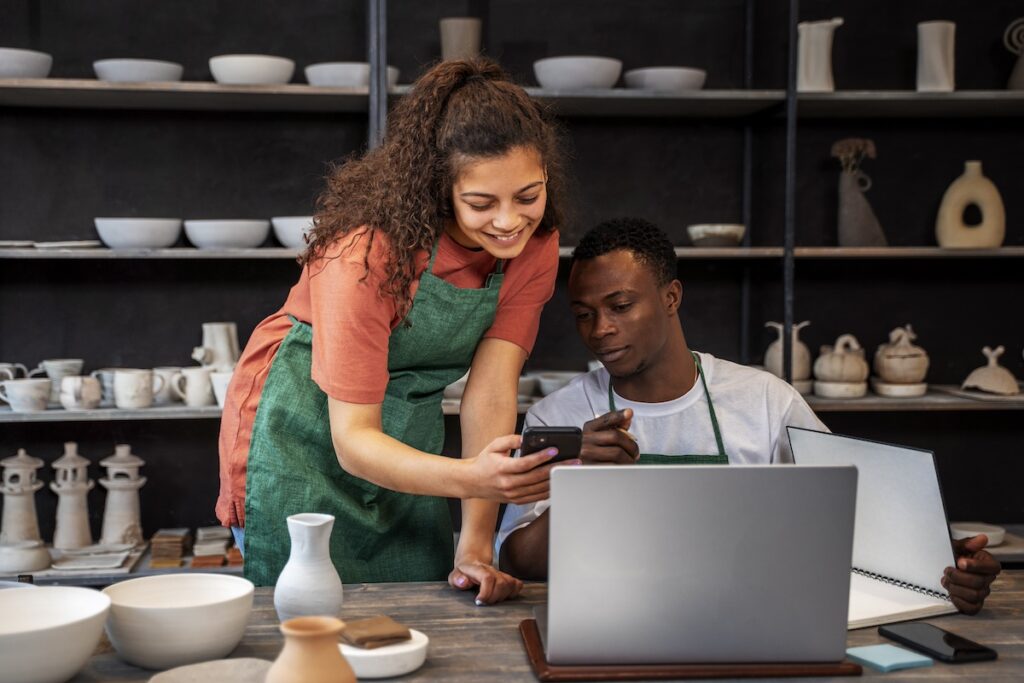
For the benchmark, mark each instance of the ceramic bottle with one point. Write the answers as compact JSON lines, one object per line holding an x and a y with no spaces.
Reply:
{"x":935,"y":56}
{"x":801,"y":354}
{"x":971,"y":188}
{"x":814,"y":63}
{"x":309,"y":584}
{"x":311,"y":653}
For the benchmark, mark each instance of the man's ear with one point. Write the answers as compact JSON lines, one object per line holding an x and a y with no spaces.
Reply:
{"x":672,"y":296}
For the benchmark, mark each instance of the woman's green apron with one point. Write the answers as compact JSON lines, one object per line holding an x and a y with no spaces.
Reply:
{"x":658,"y":459}
{"x":379,"y":534}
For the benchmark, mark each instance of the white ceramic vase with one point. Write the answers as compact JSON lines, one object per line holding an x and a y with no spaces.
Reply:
{"x":974,"y":188}
{"x":814,"y":63}
{"x":309,"y":584}
{"x":801,"y":355}
{"x":935,"y":56}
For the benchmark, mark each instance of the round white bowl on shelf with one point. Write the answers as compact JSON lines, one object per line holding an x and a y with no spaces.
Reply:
{"x":138,"y":233}
{"x":23,"y":556}
{"x":670,"y":78}
{"x":18,"y":63}
{"x":388,"y":661}
{"x":251,"y":69}
{"x":48,"y":634}
{"x":227,"y":234}
{"x":157,"y":622}
{"x":577,"y":72}
{"x":716,"y":234}
{"x":137,"y":70}
{"x":345,"y":75}
{"x":551,"y":382}
{"x":291,"y":230}
{"x":961,"y":530}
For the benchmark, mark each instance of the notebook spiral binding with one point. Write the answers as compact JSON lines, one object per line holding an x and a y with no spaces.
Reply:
{"x":903,"y":584}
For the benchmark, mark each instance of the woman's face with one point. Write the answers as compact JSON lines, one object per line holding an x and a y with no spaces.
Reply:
{"x":499,"y":202}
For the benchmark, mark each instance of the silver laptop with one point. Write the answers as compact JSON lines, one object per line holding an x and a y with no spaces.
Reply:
{"x":663,"y":564}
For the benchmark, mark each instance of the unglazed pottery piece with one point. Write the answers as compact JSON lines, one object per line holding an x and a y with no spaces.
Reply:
{"x":134,"y":388}
{"x":72,"y":485}
{"x":840,"y":389}
{"x":138,"y":233}
{"x":814,"y":59}
{"x":121,"y":521}
{"x":193,"y":386}
{"x":22,"y":557}
{"x":48,"y":634}
{"x":577,"y":72}
{"x":460,"y":37}
{"x":345,"y":75}
{"x":56,"y":369}
{"x":227,"y":234}
{"x":993,"y":377}
{"x":80,"y":392}
{"x":665,"y":78}
{"x":388,"y":661}
{"x":311,"y":653}
{"x":843,"y":362}
{"x":26,"y":395}
{"x":137,"y":71}
{"x":801,"y":363}
{"x":20,"y":484}
{"x":235,"y":670}
{"x":166,"y":395}
{"x":972,"y":188}
{"x":936,"y":67}
{"x":858,"y":225}
{"x":900,"y":361}
{"x":309,"y":584}
{"x":888,"y":390}
{"x":10,"y":371}
{"x":158,"y":622}
{"x":1013,"y":38}
{"x":251,"y":69}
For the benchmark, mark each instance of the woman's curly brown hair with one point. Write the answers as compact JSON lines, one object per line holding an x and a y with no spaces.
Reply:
{"x":458,"y":111}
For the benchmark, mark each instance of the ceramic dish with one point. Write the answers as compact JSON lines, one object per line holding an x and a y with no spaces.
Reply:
{"x":345,"y":75}
{"x":291,"y":230}
{"x":157,"y":622}
{"x":138,"y":233}
{"x":23,"y":556}
{"x":891,"y":390}
{"x":960,"y":530}
{"x":577,"y":73}
{"x":17,"y":63}
{"x":227,"y":234}
{"x":137,"y":70}
{"x":48,"y":634}
{"x":670,"y":78}
{"x":234,"y":670}
{"x":390,"y":660}
{"x":70,"y":244}
{"x":251,"y":69}
{"x":716,"y":234}
{"x":840,"y":389}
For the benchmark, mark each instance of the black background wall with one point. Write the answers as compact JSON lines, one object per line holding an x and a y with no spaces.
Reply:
{"x":60,"y":168}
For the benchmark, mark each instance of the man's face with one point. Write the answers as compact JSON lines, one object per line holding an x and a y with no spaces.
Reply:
{"x":621,"y":312}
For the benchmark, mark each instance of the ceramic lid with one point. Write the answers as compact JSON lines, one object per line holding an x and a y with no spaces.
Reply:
{"x":21,"y":461}
{"x":71,"y":459}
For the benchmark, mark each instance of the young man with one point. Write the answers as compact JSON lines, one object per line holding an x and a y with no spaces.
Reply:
{"x":656,"y":401}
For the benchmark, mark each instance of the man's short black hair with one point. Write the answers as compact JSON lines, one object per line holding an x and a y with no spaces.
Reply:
{"x":648,"y":243}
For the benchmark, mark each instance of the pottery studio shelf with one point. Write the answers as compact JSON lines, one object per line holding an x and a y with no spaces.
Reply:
{"x":100,"y":577}
{"x":908,"y":103}
{"x":932,"y":401}
{"x":905,"y":253}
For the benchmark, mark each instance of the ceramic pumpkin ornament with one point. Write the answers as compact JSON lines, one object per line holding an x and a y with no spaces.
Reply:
{"x":842,"y":362}
{"x":900,"y":361}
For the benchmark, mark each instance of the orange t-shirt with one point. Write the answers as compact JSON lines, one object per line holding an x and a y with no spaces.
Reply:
{"x":352,"y":324}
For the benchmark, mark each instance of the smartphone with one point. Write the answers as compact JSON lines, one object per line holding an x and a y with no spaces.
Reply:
{"x":934,"y":642}
{"x":568,"y":441}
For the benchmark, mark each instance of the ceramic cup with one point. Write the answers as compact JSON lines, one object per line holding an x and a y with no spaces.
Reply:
{"x":10,"y":370}
{"x":193,"y":386}
{"x":460,"y":38}
{"x":80,"y":393}
{"x":166,"y":395}
{"x":26,"y":395}
{"x":220,"y":381}
{"x":134,"y":388}
{"x":56,"y":369}
{"x":106,"y":378}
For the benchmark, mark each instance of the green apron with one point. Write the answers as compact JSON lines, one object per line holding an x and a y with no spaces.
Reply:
{"x":658,"y":459}
{"x":379,"y":534}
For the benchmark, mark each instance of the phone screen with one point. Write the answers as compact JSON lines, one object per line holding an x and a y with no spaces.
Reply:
{"x":942,"y":645}
{"x":568,"y":441}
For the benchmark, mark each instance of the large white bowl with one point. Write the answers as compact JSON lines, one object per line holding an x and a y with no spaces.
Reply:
{"x":575,"y":73}
{"x":251,"y":69}
{"x":137,"y":70}
{"x":17,"y":63}
{"x":138,"y":233}
{"x":388,"y":661}
{"x":665,"y":78}
{"x":157,"y":622}
{"x":291,"y":230}
{"x":227,"y":234}
{"x":345,"y":75}
{"x":48,"y":634}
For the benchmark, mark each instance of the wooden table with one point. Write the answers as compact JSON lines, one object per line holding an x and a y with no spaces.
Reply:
{"x":481,"y":644}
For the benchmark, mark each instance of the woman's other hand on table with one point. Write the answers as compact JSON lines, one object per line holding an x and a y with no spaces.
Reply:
{"x":494,"y":585}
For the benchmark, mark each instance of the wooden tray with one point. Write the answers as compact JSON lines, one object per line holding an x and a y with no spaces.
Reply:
{"x":636,"y":672}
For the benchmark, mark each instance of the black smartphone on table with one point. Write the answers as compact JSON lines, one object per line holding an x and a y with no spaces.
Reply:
{"x":568,"y":441}
{"x":935,"y":642}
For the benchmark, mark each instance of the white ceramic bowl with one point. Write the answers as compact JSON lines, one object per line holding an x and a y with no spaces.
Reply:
{"x":137,"y":70}
{"x":16,"y":63}
{"x":227,"y":234}
{"x":576,"y":73}
{"x":291,"y":230}
{"x":48,"y":634}
{"x":390,"y":660}
{"x":665,"y":78}
{"x":345,"y":75}
{"x":550,"y":382}
{"x":15,"y":584}
{"x":251,"y":69}
{"x":220,"y":381}
{"x":456,"y":388}
{"x":157,"y":622}
{"x":23,"y":556}
{"x":960,"y":530}
{"x":716,"y":234}
{"x":138,"y":233}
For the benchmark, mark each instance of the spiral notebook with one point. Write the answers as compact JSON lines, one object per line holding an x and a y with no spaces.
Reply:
{"x":901,"y":541}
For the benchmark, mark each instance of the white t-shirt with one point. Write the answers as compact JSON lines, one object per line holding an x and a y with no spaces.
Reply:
{"x":753,"y":408}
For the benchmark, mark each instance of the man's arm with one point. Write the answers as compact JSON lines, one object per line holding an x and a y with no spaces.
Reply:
{"x":525,"y":552}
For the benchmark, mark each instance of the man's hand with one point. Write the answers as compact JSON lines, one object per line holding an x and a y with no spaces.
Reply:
{"x":969,"y":583}
{"x":606,"y":440}
{"x":495,"y":585}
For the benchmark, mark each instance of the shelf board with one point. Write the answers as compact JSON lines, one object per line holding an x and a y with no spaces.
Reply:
{"x":905,"y":253}
{"x":178,"y":412}
{"x":908,"y":103}
{"x":932,"y":401}
{"x":711,"y":252}
{"x":184,"y":253}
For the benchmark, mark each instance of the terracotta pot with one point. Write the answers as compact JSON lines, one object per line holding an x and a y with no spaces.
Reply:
{"x":311,"y":653}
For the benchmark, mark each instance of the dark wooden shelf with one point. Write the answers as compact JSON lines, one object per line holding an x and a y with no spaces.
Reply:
{"x":908,"y":103}
{"x":905,"y":253}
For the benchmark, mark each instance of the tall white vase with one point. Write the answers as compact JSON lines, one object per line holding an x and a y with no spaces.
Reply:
{"x":971,"y":188}
{"x":814,"y":63}
{"x":935,"y":56}
{"x":309,"y":584}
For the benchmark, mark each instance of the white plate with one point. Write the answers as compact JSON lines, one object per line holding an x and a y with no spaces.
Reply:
{"x":390,"y":660}
{"x":240,"y":670}
{"x":995,"y":534}
{"x":107,"y":561}
{"x":16,"y":244}
{"x":70,"y":244}
{"x":96,"y":549}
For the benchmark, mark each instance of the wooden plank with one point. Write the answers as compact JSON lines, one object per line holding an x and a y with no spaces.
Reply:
{"x":905,"y":253}
{"x":180,"y":253}
{"x":907,"y":103}
{"x":932,"y":401}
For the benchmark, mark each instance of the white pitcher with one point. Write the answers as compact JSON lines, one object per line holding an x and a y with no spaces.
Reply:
{"x":814,"y":63}
{"x":220,"y":349}
{"x":309,"y":584}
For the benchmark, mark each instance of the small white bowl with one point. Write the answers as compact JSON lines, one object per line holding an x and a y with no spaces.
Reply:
{"x":291,"y":230}
{"x":390,"y":660}
{"x":157,"y":622}
{"x":716,"y":234}
{"x":220,"y":381}
{"x":137,"y":70}
{"x":23,"y":556}
{"x":671,"y":78}
{"x":138,"y":233}
{"x":48,"y":634}
{"x":577,"y":73}
{"x":550,"y":382}
{"x":345,"y":75}
{"x":251,"y":69}
{"x":456,"y":388}
{"x":17,"y":63}
{"x":227,"y":234}
{"x":960,"y":530}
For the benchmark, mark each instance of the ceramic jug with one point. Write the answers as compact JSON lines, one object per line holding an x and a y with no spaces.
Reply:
{"x":800,"y":353}
{"x":220,"y":349}
{"x":309,"y":584}
{"x":935,"y":56}
{"x":311,"y":653}
{"x":1014,"y":41}
{"x":814,"y":64}
{"x":971,"y":188}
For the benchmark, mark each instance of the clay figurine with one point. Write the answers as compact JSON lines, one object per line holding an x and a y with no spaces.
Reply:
{"x":840,"y":371}
{"x":20,"y":522}
{"x":900,"y":366}
{"x":121,"y":520}
{"x":992,"y":378}
{"x":858,"y":225}
{"x":801,"y":357}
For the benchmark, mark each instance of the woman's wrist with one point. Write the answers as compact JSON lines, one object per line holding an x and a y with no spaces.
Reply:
{"x":461,"y":476}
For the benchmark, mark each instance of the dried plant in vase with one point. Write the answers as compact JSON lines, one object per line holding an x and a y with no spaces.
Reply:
{"x":858,"y":225}
{"x":993,"y":377}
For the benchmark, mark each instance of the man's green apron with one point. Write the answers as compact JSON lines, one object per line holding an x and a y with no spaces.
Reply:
{"x":657,"y":459}
{"x":379,"y":534}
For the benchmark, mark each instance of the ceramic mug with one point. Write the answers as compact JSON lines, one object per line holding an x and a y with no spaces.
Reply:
{"x":10,"y":370}
{"x":106,"y":378}
{"x":220,"y":381}
{"x":80,"y":393}
{"x":193,"y":386}
{"x":134,"y":388}
{"x":166,"y":395}
{"x":26,"y":395}
{"x":56,"y":369}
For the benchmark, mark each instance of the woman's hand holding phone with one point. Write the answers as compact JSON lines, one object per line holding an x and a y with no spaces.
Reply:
{"x":497,"y":477}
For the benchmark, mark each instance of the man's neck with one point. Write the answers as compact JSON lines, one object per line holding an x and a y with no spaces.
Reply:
{"x":672,"y":374}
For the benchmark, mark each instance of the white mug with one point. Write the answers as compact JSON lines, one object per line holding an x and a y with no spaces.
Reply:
{"x":134,"y":388}
{"x":193,"y":386}
{"x":166,"y":395}
{"x":220,"y":381}
{"x":56,"y":369}
{"x":10,"y":370}
{"x":26,"y":395}
{"x":106,"y":378}
{"x":80,"y":393}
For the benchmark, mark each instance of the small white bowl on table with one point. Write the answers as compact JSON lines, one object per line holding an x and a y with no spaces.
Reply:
{"x":291,"y":230}
{"x":345,"y":75}
{"x":251,"y":69}
{"x":18,"y":63}
{"x":390,"y":660}
{"x":665,"y":78}
{"x":227,"y":234}
{"x":577,"y":72}
{"x":138,"y":233}
{"x":962,"y":530}
{"x":137,"y":70}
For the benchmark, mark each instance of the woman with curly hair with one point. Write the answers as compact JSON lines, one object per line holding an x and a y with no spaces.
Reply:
{"x":431,"y":255}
